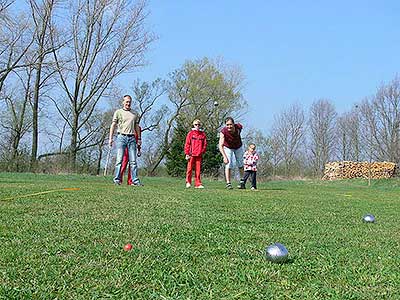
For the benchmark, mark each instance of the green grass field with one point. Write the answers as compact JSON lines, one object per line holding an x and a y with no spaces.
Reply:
{"x":196,"y":244}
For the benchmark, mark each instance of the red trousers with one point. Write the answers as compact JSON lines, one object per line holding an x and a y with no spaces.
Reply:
{"x":124,"y":164}
{"x":194,"y":161}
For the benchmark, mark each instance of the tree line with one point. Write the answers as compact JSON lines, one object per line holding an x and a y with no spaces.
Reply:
{"x":61,"y":65}
{"x":59,"y":61}
{"x":302,"y":140}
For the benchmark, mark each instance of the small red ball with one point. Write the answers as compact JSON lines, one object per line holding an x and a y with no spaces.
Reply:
{"x":128,"y":247}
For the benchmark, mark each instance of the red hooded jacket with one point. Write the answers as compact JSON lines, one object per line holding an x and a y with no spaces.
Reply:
{"x":196,"y":143}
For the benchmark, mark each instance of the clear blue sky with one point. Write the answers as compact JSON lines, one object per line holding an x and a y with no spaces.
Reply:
{"x":290,"y":51}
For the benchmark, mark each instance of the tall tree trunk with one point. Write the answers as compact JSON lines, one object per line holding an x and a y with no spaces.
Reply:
{"x":42,"y":31}
{"x":98,"y":169}
{"x":35,"y":117}
{"x":73,"y":146}
{"x":159,"y":159}
{"x":166,"y":145}
{"x":14,"y":150}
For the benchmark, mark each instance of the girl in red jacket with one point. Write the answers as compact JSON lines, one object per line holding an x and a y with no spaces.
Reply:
{"x":195,"y":147}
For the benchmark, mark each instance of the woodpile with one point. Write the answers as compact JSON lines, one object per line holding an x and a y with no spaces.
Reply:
{"x":352,"y":169}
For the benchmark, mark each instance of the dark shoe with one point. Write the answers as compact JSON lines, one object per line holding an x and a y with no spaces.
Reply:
{"x":117,"y":182}
{"x":137,"y":184}
{"x":229,"y":186}
{"x":241,"y":185}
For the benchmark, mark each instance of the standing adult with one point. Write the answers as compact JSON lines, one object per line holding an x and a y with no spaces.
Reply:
{"x":127,"y":123}
{"x":230,"y":146}
{"x":125,"y":161}
{"x":195,"y":147}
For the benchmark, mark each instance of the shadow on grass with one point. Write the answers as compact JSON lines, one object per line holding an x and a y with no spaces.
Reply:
{"x":287,"y":262}
{"x":262,"y":189}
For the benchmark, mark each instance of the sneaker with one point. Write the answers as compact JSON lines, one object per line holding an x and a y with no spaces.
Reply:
{"x":229,"y":186}
{"x":241,"y":185}
{"x":117,"y":182}
{"x":188,"y":185}
{"x":253,"y":188}
{"x":137,"y":184}
{"x":199,"y":187}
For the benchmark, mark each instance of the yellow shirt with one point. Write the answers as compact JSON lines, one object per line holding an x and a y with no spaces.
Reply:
{"x":126,"y":120}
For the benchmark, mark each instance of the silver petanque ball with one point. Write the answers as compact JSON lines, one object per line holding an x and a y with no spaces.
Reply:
{"x":277,"y":253}
{"x":369,"y":218}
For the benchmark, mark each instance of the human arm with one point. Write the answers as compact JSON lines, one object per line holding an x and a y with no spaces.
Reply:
{"x":138,"y":134}
{"x":187,"y":146}
{"x":221,"y":147}
{"x":246,"y":158}
{"x":139,"y":148}
{"x":204,"y":144}
{"x":110,"y":138}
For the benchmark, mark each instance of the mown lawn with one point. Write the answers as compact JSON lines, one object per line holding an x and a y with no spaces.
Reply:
{"x":196,"y":244}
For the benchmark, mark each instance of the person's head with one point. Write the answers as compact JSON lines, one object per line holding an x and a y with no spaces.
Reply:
{"x":196,"y":124}
{"x":230,"y":124}
{"x":252,"y":147}
{"x":127,"y":102}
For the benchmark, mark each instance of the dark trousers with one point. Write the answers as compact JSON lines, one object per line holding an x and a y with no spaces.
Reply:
{"x":253,"y":175}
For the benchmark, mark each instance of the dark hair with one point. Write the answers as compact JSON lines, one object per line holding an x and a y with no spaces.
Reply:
{"x":229,"y":119}
{"x":127,"y":96}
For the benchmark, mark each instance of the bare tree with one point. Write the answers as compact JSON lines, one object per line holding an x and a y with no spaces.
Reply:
{"x":15,"y":114}
{"x":42,"y":13}
{"x":276,"y":155}
{"x":109,"y":39}
{"x":97,"y":133}
{"x":179,"y":100}
{"x":150,"y":148}
{"x":380,"y":117}
{"x":4,"y":4}
{"x":348,"y":136}
{"x":263,"y":148}
{"x":147,"y":103}
{"x":322,"y":123}
{"x":288,"y":134}
{"x":16,"y":39}
{"x":56,"y":134}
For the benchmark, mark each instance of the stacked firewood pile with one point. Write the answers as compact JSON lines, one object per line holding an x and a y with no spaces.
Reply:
{"x":351,"y":169}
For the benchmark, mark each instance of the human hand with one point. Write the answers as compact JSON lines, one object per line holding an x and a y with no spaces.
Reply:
{"x":139,"y":153}
{"x":187,"y":156}
{"x":226,"y":160}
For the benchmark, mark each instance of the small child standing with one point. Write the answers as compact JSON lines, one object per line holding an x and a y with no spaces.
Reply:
{"x":250,"y":159}
{"x":195,"y":147}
